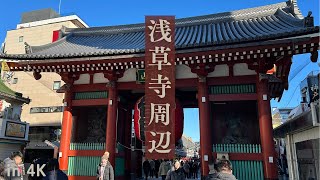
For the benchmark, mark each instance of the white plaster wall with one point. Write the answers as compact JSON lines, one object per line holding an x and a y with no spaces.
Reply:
{"x":184,"y":72}
{"x":291,"y":159}
{"x":220,"y":71}
{"x":83,"y":79}
{"x":129,"y":75}
{"x":99,"y":78}
{"x":291,"y":140}
{"x":313,"y":133}
{"x":241,"y":69}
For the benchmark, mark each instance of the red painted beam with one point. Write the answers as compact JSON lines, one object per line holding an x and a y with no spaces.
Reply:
{"x":90,"y":102}
{"x":82,"y":177}
{"x":186,"y":82}
{"x":233,"y":97}
{"x":243,"y":156}
{"x":90,"y":87}
{"x":232,"y":80}
{"x":129,"y":86}
{"x":86,"y":152}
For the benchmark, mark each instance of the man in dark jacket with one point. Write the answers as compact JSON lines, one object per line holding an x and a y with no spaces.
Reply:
{"x":224,"y":171}
{"x":146,"y":168}
{"x":54,"y":173}
{"x":157,"y":162}
{"x":176,"y":173}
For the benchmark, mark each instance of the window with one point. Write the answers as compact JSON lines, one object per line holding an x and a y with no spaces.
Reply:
{"x":56,"y":85}
{"x":15,"y":81}
{"x":20,"y":38}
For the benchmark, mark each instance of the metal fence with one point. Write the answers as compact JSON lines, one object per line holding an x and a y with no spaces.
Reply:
{"x":247,"y":170}
{"x":237,"y":148}
{"x":87,"y":146}
{"x":243,"y":170}
{"x":88,"y":165}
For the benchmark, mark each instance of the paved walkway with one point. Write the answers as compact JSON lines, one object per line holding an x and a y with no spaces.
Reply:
{"x":280,"y":178}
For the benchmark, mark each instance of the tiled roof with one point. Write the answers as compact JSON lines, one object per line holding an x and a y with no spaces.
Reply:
{"x":248,"y":25}
{"x":7,"y":93}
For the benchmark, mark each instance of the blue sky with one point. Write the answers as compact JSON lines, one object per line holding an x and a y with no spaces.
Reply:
{"x":105,"y":13}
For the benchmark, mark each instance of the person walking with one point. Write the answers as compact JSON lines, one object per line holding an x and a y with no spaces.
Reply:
{"x":195,"y":169}
{"x":146,"y":168}
{"x":53,"y":171}
{"x":105,"y":169}
{"x":152,"y":168}
{"x":164,"y":168}
{"x":176,"y":173}
{"x":157,"y":162}
{"x":224,"y":171}
{"x":186,"y":169}
{"x":14,"y":167}
{"x":190,"y":169}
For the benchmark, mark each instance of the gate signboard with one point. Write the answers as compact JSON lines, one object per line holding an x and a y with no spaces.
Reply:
{"x":159,"y":87}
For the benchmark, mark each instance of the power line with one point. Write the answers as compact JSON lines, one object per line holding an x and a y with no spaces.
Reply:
{"x":297,"y":70}
{"x":292,"y":95}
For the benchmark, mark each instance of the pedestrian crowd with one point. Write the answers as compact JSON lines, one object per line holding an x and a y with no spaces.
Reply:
{"x":181,"y":170}
{"x":13,"y":168}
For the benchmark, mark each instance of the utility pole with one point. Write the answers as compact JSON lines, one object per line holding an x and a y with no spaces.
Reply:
{"x":59,"y":6}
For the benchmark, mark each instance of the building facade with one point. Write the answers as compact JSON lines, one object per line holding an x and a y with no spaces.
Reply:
{"x":301,"y":133}
{"x":44,"y":112}
{"x":221,"y":65}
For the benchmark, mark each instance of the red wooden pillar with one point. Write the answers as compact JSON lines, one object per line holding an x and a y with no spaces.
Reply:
{"x":205,"y":127}
{"x":112,"y":122}
{"x":266,"y":135}
{"x":66,"y":131}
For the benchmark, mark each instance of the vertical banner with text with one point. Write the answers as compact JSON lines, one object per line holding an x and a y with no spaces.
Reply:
{"x":160,"y":87}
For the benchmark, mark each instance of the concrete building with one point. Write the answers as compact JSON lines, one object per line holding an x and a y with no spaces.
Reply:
{"x":280,"y":115}
{"x":186,"y":147}
{"x":37,"y":28}
{"x":301,"y":133}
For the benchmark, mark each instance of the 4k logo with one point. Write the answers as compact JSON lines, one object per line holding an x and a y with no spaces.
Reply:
{"x":31,"y":171}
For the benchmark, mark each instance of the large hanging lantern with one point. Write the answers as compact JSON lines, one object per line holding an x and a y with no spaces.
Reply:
{"x":139,"y":119}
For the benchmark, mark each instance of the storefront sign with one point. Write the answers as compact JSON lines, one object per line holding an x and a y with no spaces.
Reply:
{"x":16,"y":130}
{"x":160,"y":87}
{"x":141,"y":76}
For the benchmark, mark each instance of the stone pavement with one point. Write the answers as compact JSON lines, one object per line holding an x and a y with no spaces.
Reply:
{"x":280,"y":178}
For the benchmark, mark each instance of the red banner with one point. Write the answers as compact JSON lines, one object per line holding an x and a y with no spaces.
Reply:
{"x":160,"y":87}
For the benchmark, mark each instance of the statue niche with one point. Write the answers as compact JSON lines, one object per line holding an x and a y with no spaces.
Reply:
{"x":235,"y":130}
